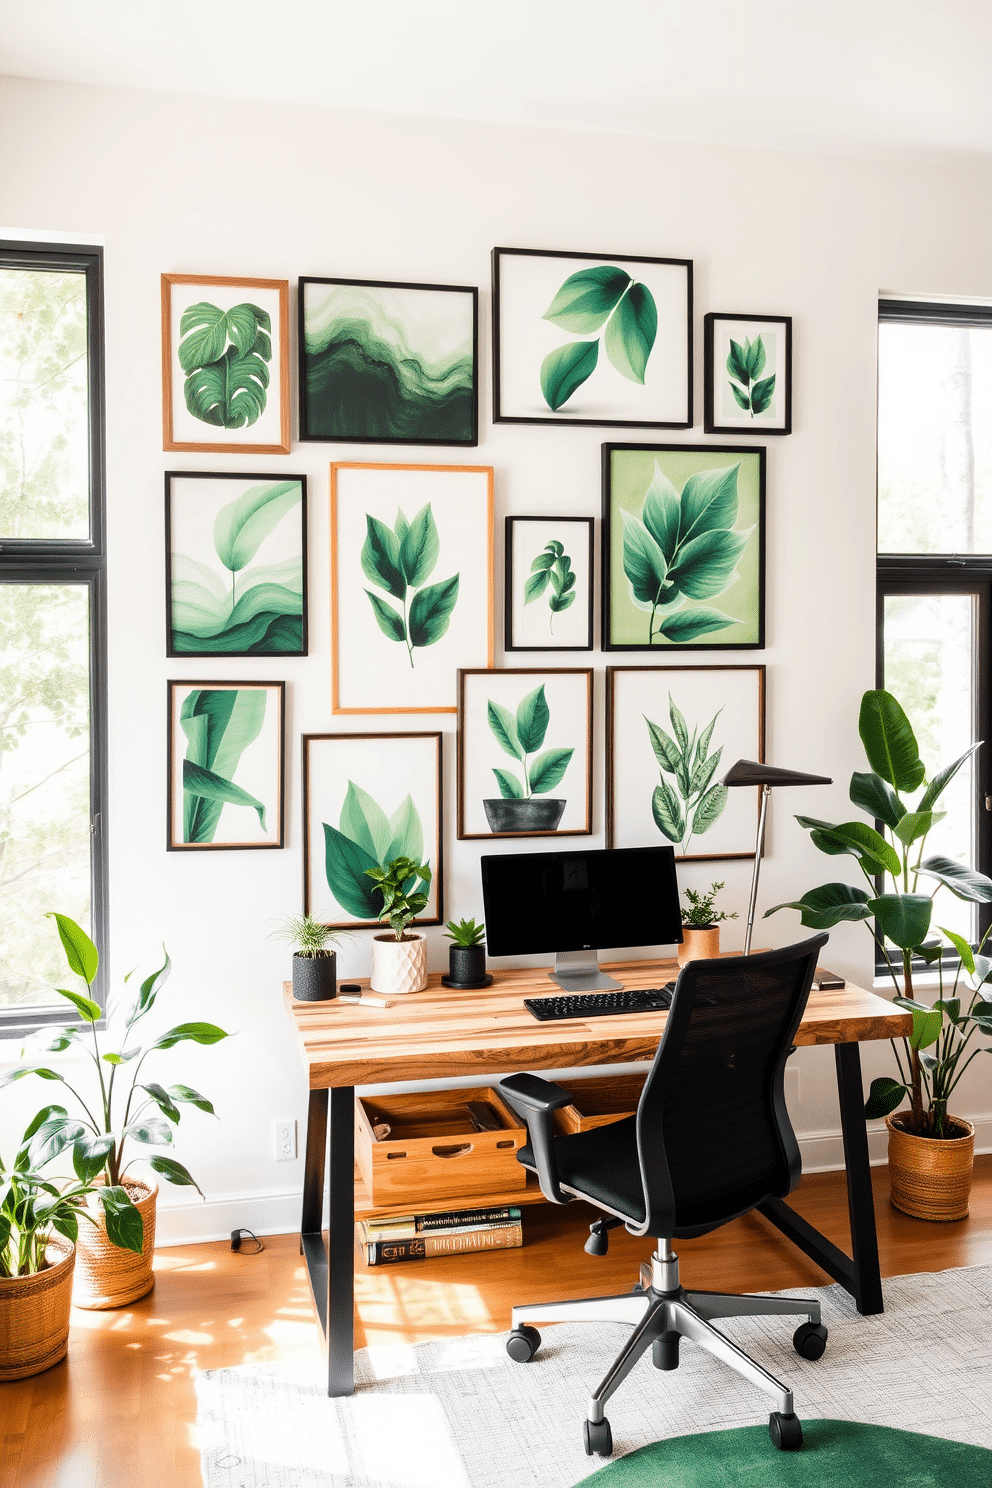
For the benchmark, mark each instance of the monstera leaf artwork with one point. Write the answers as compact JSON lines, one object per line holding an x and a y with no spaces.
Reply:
{"x":365,"y":838}
{"x":219,"y":724}
{"x":602,"y":295}
{"x":225,"y":355}
{"x":687,"y":804}
{"x":400,"y":560}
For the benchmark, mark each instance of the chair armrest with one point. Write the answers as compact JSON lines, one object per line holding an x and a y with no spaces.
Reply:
{"x":535,"y":1100}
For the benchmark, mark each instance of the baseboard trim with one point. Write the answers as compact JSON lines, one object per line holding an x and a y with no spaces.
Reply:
{"x":278,"y":1212}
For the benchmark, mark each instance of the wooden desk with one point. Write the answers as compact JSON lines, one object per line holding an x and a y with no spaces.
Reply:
{"x":440,"y":1033}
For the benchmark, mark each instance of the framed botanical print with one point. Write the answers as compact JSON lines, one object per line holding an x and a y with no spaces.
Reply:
{"x":548,"y":589}
{"x":683,"y":547}
{"x":226,"y":765}
{"x":235,"y":564}
{"x":524,"y":752}
{"x":368,"y":798}
{"x":388,"y":363}
{"x":589,"y":338}
{"x":411,"y":584}
{"x":672,"y":733}
{"x":747,"y":362}
{"x":225,"y":364}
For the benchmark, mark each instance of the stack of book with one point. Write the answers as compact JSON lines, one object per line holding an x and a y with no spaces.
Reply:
{"x":413,"y":1237}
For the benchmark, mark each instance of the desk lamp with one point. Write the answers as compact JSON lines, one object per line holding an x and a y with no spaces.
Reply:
{"x":750,"y":772}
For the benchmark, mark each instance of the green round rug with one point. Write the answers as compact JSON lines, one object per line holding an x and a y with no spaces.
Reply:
{"x":835,"y":1454}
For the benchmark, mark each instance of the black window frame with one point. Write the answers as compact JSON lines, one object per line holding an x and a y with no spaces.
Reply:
{"x":76,"y":561}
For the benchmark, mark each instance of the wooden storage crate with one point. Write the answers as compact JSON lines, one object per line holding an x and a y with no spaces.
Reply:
{"x":433,"y":1151}
{"x":598,"y":1102}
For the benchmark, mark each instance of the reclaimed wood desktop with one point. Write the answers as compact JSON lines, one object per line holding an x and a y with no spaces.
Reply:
{"x":441,"y":1033}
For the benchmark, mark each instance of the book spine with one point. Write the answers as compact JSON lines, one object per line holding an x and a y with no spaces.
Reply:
{"x":407,"y":1232}
{"x":418,"y":1224}
{"x":421,"y":1247}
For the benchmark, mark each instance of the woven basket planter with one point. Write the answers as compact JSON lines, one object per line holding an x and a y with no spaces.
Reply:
{"x":34,"y":1315}
{"x":106,"y":1275}
{"x":931,"y":1178}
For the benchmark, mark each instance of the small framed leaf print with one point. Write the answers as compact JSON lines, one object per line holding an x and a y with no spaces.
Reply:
{"x":226,"y":765}
{"x":548,"y":596}
{"x":587,"y":338}
{"x":747,"y":363}
{"x":225,"y":364}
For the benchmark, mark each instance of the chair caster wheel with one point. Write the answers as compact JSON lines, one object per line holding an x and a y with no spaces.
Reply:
{"x":598,"y":1438}
{"x":810,"y":1340}
{"x":523,"y":1343}
{"x":785,"y":1431}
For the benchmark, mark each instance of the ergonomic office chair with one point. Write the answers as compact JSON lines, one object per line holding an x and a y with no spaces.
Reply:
{"x":711,"y":1140}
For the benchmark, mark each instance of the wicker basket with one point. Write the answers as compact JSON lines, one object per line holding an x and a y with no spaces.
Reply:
{"x":34,"y":1315}
{"x":930,"y":1177}
{"x":107,"y":1275}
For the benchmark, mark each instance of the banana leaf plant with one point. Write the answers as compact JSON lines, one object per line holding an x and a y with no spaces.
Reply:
{"x":367,"y":838}
{"x":219,"y":724}
{"x":900,"y":913}
{"x":121,"y":1112}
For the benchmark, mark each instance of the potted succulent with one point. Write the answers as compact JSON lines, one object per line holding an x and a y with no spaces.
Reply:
{"x":115,"y":1116}
{"x":519,"y":806}
{"x":39,"y":1226}
{"x":701,"y":922}
{"x":399,"y":960}
{"x":930,"y":1150}
{"x":315,"y":960}
{"x":466,"y":955}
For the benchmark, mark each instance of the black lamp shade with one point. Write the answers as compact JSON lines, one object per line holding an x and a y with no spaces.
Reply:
{"x":750,"y":772}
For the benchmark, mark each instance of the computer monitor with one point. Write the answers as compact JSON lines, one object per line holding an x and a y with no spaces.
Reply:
{"x":577,"y":903}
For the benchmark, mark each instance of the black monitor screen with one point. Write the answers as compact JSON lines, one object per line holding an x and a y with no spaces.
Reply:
{"x":569,"y":901}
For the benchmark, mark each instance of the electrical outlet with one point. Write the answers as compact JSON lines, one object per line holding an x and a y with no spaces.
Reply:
{"x":285,"y":1140}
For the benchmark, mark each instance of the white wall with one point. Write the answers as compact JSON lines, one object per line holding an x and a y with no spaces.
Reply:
{"x":193,"y":185}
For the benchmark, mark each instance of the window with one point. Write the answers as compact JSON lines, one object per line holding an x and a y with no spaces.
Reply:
{"x":935,"y":558}
{"x":52,"y":618}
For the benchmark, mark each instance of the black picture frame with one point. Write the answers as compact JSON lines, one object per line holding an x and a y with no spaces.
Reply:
{"x":782,"y":422}
{"x":245,"y":478}
{"x":510,"y":641}
{"x":341,"y":433}
{"x":503,"y":414}
{"x":693,"y":458}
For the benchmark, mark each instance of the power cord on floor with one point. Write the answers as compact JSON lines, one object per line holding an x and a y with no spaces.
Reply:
{"x":236,"y":1241}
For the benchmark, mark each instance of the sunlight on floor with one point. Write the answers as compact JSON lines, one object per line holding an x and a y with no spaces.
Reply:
{"x":416,"y":1303}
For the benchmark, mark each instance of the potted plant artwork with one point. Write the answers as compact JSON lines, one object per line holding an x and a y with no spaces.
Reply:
{"x":399,"y":960}
{"x":523,"y":804}
{"x":115,"y":1118}
{"x":314,"y":957}
{"x":930,"y":1150}
{"x":701,"y":922}
{"x":686,"y":803}
{"x":466,"y":954}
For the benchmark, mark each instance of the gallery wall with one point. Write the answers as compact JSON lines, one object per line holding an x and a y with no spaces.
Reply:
{"x":180,"y":184}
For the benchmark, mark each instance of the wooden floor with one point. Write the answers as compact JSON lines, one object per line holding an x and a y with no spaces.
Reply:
{"x":122,"y":1408}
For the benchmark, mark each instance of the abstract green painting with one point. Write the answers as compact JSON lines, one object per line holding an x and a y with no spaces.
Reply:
{"x":226,"y":764}
{"x":388,"y":363}
{"x":235,"y":565}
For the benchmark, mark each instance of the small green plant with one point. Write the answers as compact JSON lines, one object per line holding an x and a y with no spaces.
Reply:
{"x":402,"y":899}
{"x":399,"y":559}
{"x":584,"y":303}
{"x":701,"y":912}
{"x":465,"y":932}
{"x":552,"y":566}
{"x":520,"y":736}
{"x":690,"y":805}
{"x":745,"y":365}
{"x":308,"y":937}
{"x":225,"y":355}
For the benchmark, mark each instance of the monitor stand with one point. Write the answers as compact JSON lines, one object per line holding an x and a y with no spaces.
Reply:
{"x":578,"y":971}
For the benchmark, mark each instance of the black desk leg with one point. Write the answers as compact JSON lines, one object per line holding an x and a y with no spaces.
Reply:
{"x":341,"y":1245}
{"x":867,"y":1288}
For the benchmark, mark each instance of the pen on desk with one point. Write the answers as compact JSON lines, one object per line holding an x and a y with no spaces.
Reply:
{"x":351,"y":992}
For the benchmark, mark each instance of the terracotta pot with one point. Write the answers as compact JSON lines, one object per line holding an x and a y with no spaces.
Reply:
{"x":106,"y":1275}
{"x":399,"y":965}
{"x":699,"y":943}
{"x":930,"y":1177}
{"x":34,"y":1314}
{"x":315,"y":977}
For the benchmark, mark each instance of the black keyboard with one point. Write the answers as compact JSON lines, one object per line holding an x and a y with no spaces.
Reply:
{"x":600,"y":1004}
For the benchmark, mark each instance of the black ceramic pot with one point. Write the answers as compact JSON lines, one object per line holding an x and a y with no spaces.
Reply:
{"x":466,"y":965}
{"x":315,"y":977}
{"x":538,"y":814}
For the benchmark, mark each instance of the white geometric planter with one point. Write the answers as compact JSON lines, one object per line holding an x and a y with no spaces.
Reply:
{"x":399,"y":965}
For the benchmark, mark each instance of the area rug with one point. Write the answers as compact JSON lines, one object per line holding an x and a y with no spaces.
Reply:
{"x":459,"y":1413}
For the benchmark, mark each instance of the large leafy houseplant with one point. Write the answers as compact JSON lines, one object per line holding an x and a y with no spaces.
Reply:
{"x":900,"y":916}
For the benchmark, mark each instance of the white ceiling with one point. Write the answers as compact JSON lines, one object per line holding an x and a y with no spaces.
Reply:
{"x":880,"y":77}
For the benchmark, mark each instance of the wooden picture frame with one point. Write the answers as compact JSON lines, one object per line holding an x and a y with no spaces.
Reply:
{"x":645,"y":489}
{"x":385,"y":792}
{"x":747,"y":372}
{"x":255,"y":419}
{"x":237,"y":752}
{"x":402,"y":367}
{"x":378,"y":663}
{"x":721,"y":711}
{"x":558,"y":585}
{"x":505,"y":716}
{"x":546,"y":369}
